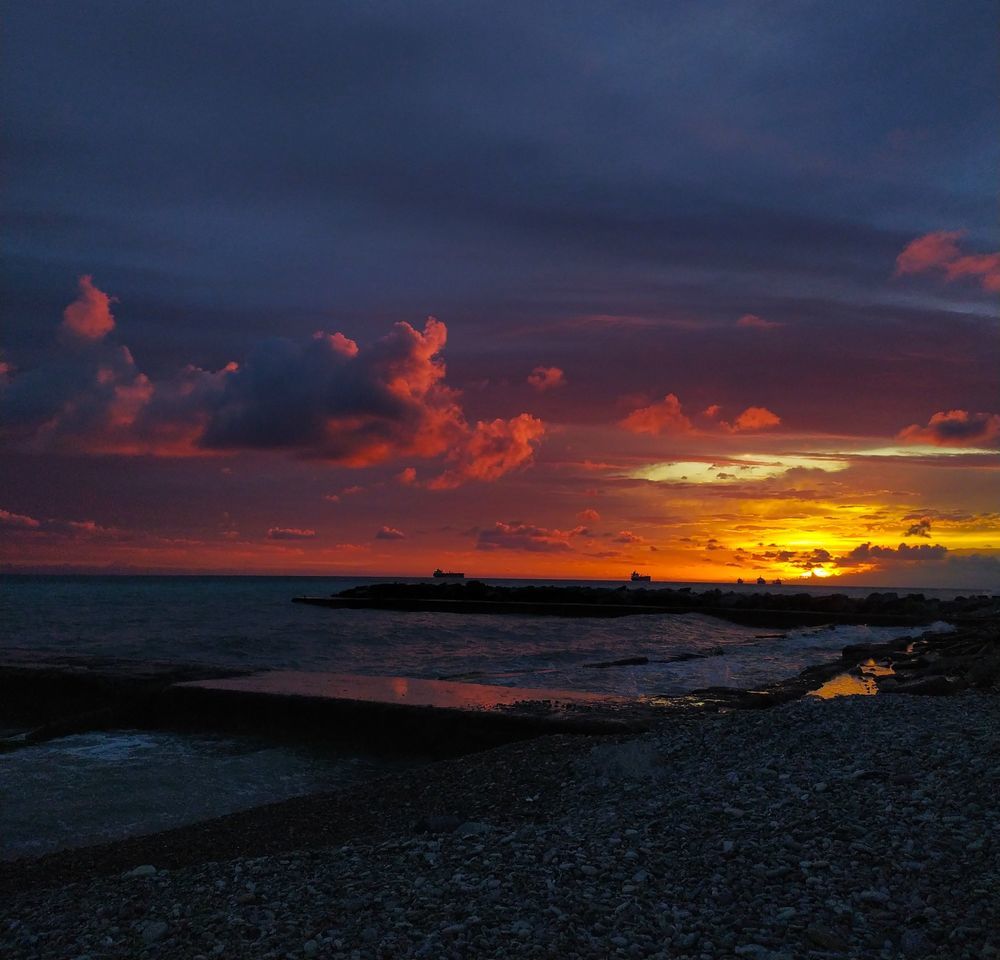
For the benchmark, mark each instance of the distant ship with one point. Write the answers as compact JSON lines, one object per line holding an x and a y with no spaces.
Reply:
{"x":439,"y":573}
{"x":776,"y":583}
{"x":640,"y":577}
{"x":761,"y":582}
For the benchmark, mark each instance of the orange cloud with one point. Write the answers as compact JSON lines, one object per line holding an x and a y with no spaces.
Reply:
{"x":407,"y":476}
{"x":546,"y":378}
{"x":940,"y":251}
{"x":89,"y":316}
{"x":752,"y":321}
{"x":756,"y":418}
{"x":955,"y":428}
{"x":589,"y":515}
{"x":665,"y":416}
{"x":492,"y":450}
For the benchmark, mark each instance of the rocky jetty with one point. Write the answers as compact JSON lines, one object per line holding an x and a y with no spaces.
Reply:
{"x":749,"y":605}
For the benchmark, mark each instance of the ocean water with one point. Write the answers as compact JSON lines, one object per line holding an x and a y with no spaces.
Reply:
{"x":251,"y":623}
{"x":103,"y":785}
{"x":99,"y":786}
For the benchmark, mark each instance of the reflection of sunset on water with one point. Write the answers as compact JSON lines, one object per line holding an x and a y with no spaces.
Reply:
{"x":860,"y":683}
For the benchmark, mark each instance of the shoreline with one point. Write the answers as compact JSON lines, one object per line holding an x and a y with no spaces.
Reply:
{"x":817,"y":828}
{"x":850,"y":827}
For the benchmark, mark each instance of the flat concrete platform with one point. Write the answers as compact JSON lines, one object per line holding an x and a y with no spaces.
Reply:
{"x":402,"y":715}
{"x":409,"y":691}
{"x":44,"y":697}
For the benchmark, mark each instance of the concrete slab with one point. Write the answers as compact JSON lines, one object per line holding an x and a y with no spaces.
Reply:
{"x":407,"y":691}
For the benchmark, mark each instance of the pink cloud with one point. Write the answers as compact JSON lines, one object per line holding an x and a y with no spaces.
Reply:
{"x":290,"y":533}
{"x":19,"y":524}
{"x":752,"y":321}
{"x":955,"y":428}
{"x":627,"y":536}
{"x":19,"y":520}
{"x":589,"y":515}
{"x":940,"y":251}
{"x":525,"y":536}
{"x":665,"y":416}
{"x":389,"y":533}
{"x":89,"y":316}
{"x":492,"y":450}
{"x":546,"y":378}
{"x":407,"y":476}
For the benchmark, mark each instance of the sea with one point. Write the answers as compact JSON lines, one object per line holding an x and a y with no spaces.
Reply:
{"x":100,"y":786}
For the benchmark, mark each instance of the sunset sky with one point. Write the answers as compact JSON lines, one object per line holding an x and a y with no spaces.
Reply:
{"x":704,"y":289}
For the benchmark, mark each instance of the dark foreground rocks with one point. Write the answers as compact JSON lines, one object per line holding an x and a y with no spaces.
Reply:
{"x":864,"y":827}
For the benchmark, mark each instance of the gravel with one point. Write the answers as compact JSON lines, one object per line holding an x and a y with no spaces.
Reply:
{"x":856,"y":827}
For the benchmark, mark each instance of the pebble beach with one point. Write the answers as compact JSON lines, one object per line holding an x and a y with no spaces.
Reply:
{"x":852,"y":827}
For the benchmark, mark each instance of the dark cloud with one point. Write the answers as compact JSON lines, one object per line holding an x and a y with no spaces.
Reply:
{"x":956,"y":428}
{"x":482,"y":153}
{"x":868,"y":553}
{"x":322,"y":398}
{"x":922,"y":528}
{"x":290,"y":533}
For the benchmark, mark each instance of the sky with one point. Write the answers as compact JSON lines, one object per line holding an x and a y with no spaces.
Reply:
{"x":703,"y":289}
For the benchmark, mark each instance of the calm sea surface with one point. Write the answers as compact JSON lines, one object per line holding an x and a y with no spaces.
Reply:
{"x":250,"y":622}
{"x":103,"y":785}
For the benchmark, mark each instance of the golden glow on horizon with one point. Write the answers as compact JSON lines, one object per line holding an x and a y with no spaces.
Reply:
{"x":921,"y":450}
{"x":737,"y":469}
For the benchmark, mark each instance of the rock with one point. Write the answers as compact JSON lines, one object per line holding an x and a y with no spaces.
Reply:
{"x":936,"y":686}
{"x":438,"y":823}
{"x":472,"y":828}
{"x":310,"y":948}
{"x":873,"y":896}
{"x":146,"y":870}
{"x":752,"y":950}
{"x":154,"y":930}
{"x":914,"y":943}
{"x":825,"y":939}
